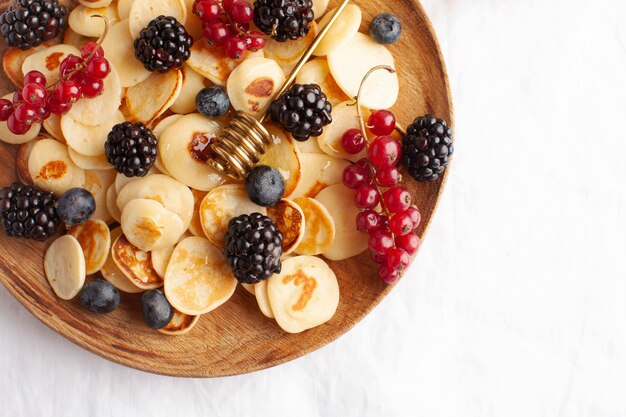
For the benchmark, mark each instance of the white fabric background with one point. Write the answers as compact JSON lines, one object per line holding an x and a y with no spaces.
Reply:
{"x":516,"y":305}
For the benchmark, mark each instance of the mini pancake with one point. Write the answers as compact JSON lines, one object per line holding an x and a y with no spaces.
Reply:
{"x":161,"y":258}
{"x":193,"y":24}
{"x":21,"y":160}
{"x":48,"y":61}
{"x":213,"y":63}
{"x":9,"y":137}
{"x":249,"y":288}
{"x":319,"y":234}
{"x":198,"y":278}
{"x":192,"y":84}
{"x":113,"y":274}
{"x":64,"y":265}
{"x":195,"y":227}
{"x":304,"y":295}
{"x":290,"y":220}
{"x":142,"y":12}
{"x":97,"y":111}
{"x":319,"y":7}
{"x":220,"y":206}
{"x":318,"y":172}
{"x":53,"y":126}
{"x":180,"y":324}
{"x":345,"y":117}
{"x":287,"y":54}
{"x":95,"y":240}
{"x":94,"y":4}
{"x":120,"y":51}
{"x":350,"y":62}
{"x":75,"y":39}
{"x":152,"y":97}
{"x":97,"y":182}
{"x":184,"y":150}
{"x":344,"y":28}
{"x":122,"y":180}
{"x":253,"y":84}
{"x":262,"y":299}
{"x":310,"y":146}
{"x":82,"y":21}
{"x":111,"y":203}
{"x":318,"y":72}
{"x":150,"y":226}
{"x":51,"y":168}
{"x":99,"y":162}
{"x":284,"y":156}
{"x":173,"y":195}
{"x":123,"y":8}
{"x":349,"y":242}
{"x":135,"y":264}
{"x":158,"y":129}
{"x":12,"y":62}
{"x":88,"y":140}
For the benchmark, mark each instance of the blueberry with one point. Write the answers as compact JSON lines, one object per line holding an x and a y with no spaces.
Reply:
{"x":265,"y":186}
{"x":157,"y":311}
{"x":100,"y":297}
{"x":385,"y":29}
{"x":76,"y":206}
{"x":212,"y":101}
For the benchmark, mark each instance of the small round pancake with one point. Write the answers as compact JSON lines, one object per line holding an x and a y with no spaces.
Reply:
{"x":48,"y":61}
{"x":193,"y":25}
{"x":120,"y":51}
{"x":150,"y":226}
{"x":249,"y":288}
{"x":161,"y":258}
{"x":52,"y":169}
{"x":149,"y":99}
{"x":173,"y":195}
{"x":111,"y":203}
{"x":290,"y":220}
{"x":310,"y":146}
{"x":64,"y":265}
{"x":180,"y":324}
{"x":198,"y":278}
{"x":158,"y":129}
{"x":350,"y":62}
{"x":220,"y":206}
{"x":319,"y":234}
{"x":183,"y":149}
{"x":262,"y":299}
{"x":83,"y":21}
{"x":94,"y":4}
{"x":113,"y":274}
{"x":97,"y":182}
{"x":88,"y":140}
{"x":349,"y":242}
{"x":95,"y":240}
{"x":287,"y":54}
{"x":9,"y":137}
{"x":90,"y":162}
{"x":122,"y":180}
{"x":53,"y":126}
{"x":345,"y":117}
{"x":304,"y":295}
{"x":192,"y":84}
{"x":253,"y":84}
{"x":12,"y":62}
{"x":21,"y":160}
{"x":195,"y":227}
{"x":76,"y":39}
{"x":135,"y":264}
{"x":284,"y":156}
{"x":319,"y":7}
{"x":318,"y":172}
{"x":123,"y":8}
{"x":142,"y":12}
{"x":318,"y":72}
{"x":344,"y":28}
{"x":97,"y":111}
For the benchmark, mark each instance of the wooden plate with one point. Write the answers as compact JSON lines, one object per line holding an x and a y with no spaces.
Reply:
{"x":237,"y":338}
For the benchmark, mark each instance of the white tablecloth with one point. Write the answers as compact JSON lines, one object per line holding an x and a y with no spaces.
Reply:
{"x":516,"y":305}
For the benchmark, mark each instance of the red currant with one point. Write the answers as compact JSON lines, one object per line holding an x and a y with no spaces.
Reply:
{"x":6,"y":109}
{"x":388,"y":177}
{"x":98,"y":68}
{"x":241,"y":12}
{"x":388,"y":275}
{"x":34,"y":94}
{"x":368,"y":221}
{"x":410,"y":243}
{"x":385,"y":152}
{"x":416,"y":216}
{"x":69,"y":65}
{"x":17,"y":97}
{"x":401,"y":224}
{"x":397,"y":199}
{"x":227,"y":5}
{"x":379,"y":259}
{"x":367,"y":197}
{"x":68,"y":91}
{"x":90,"y":47}
{"x":382,"y":123}
{"x":56,"y":107}
{"x":91,"y":88}
{"x":26,"y":113}
{"x":255,"y":41}
{"x":216,"y":33}
{"x":35,"y":77}
{"x":208,"y":11}
{"x":16,"y":127}
{"x":356,"y":176}
{"x":42,"y":113}
{"x":380,"y":242}
{"x":398,"y":259}
{"x":353,"y":141}
{"x":235,"y":47}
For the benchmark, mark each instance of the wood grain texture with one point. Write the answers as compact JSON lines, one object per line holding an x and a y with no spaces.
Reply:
{"x":237,"y":338}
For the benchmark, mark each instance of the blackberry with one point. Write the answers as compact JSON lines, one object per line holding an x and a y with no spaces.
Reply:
{"x":303,"y":111}
{"x":284,"y":19}
{"x":254,"y":246}
{"x":28,"y":212}
{"x":131,"y":149}
{"x":427,"y":148}
{"x":163,"y":45}
{"x":28,"y":23}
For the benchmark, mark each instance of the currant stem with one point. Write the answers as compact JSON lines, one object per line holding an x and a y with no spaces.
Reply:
{"x":357,"y":99}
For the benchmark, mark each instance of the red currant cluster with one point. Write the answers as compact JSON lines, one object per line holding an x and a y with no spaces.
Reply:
{"x":79,"y":77}
{"x":226,"y":23}
{"x":387,"y":213}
